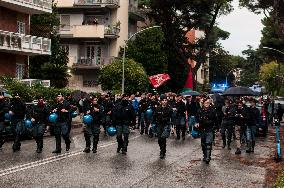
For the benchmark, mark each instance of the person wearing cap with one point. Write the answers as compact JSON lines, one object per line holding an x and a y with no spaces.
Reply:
{"x":162,"y":117}
{"x":93,"y":129}
{"x":107,"y":106}
{"x":38,"y":114}
{"x":180,"y":109}
{"x":4,"y":108}
{"x":122,"y":116}
{"x":206,"y":120}
{"x":61,"y":108}
{"x":18,"y":111}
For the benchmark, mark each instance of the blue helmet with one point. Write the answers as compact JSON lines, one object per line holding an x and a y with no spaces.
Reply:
{"x":7,"y":116}
{"x":153,"y":126}
{"x":111,"y":131}
{"x":74,"y":114}
{"x":53,"y":118}
{"x":28,"y":123}
{"x":149,"y":113}
{"x":87,"y":119}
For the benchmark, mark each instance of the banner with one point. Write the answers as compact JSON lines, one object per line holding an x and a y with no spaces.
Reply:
{"x":159,"y":79}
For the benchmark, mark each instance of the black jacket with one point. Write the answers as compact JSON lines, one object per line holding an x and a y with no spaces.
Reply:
{"x":62,"y":116}
{"x":123,"y":114}
{"x":97,"y":116}
{"x":18,"y":107}
{"x":39,"y":113}
{"x":162,"y":115}
{"x":207,"y":119}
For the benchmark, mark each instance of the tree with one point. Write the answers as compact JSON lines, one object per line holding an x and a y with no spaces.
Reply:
{"x":147,"y":50}
{"x":135,"y":76}
{"x":269,"y":7}
{"x":176,"y":19}
{"x":54,"y":67}
{"x":271,"y":75}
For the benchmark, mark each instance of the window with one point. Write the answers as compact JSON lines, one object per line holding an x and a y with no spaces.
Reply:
{"x":20,"y":71}
{"x":21,"y":27}
{"x":65,"y":22}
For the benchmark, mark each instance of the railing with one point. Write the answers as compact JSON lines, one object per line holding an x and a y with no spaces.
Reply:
{"x":112,"y":30}
{"x":86,"y":62}
{"x":45,"y":4}
{"x":89,"y":30}
{"x":24,"y":43}
{"x":97,"y":2}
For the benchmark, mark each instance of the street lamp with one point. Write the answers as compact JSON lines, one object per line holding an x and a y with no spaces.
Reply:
{"x":123,"y":57}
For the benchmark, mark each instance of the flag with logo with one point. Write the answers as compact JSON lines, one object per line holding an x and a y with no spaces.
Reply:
{"x":159,"y":79}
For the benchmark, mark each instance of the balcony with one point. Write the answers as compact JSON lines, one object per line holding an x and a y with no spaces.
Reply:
{"x":28,"y":6}
{"x":24,"y":44}
{"x":135,"y":13}
{"x":113,"y":4}
{"x":89,"y":31}
{"x":89,"y":63}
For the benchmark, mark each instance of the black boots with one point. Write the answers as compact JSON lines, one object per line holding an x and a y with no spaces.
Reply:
{"x":39,"y":143}
{"x":87,"y":150}
{"x":163,"y":144}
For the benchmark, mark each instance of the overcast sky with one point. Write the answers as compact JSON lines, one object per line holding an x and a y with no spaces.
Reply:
{"x":245,"y":28}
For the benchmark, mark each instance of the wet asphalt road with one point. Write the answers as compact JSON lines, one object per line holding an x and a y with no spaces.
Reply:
{"x":141,"y":167}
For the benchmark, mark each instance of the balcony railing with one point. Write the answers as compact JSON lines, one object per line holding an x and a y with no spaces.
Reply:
{"x":89,"y":31}
{"x":26,"y":44}
{"x":90,"y":63}
{"x":112,"y":3}
{"x":39,"y":5}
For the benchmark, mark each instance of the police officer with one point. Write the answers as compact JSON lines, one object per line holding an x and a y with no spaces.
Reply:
{"x":4,"y":108}
{"x":38,"y":115}
{"x":227,"y":125}
{"x":95,"y":110}
{"x":206,"y":119}
{"x":162,"y":117}
{"x":18,"y":111}
{"x":123,"y":114}
{"x":180,"y":109}
{"x":61,"y":126}
{"x":106,"y":105}
{"x":143,"y":105}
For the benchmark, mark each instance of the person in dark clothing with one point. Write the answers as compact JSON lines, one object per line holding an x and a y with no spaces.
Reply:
{"x":227,"y":126}
{"x":152,"y":104}
{"x":180,"y":110}
{"x":143,"y":105}
{"x":253,"y":120}
{"x":206,"y":119}
{"x":241,"y":119}
{"x":106,"y":105}
{"x":279,"y":112}
{"x":162,"y":117}
{"x":93,"y":129}
{"x":192,"y":107}
{"x":38,"y":115}
{"x":4,"y":108}
{"x":18,"y":111}
{"x":122,"y":115}
{"x":62,"y":108}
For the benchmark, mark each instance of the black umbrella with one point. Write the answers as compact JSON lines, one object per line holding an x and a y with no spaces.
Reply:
{"x":239,"y":91}
{"x":190,"y":93}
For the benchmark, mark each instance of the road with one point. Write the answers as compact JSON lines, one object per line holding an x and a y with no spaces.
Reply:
{"x":141,"y":167}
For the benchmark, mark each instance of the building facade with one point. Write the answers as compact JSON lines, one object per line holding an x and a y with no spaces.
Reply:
{"x":16,"y":43}
{"x":92,"y":31}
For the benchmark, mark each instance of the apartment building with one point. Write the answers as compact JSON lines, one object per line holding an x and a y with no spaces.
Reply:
{"x":92,"y":31}
{"x":16,"y":43}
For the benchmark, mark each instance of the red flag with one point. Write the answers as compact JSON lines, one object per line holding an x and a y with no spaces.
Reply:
{"x":189,"y":81}
{"x":158,"y":79}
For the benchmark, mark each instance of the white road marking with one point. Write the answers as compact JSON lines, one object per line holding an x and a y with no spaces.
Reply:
{"x":41,"y":162}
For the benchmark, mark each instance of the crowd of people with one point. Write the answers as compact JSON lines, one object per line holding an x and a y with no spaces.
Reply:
{"x":154,"y":115}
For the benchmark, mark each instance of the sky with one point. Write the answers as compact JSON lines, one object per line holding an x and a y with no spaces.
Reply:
{"x":245,"y":28}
